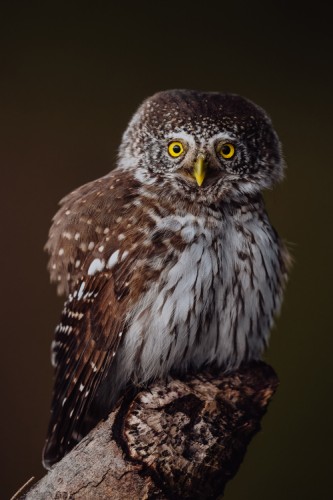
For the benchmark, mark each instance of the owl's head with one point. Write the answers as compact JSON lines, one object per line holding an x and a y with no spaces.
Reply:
{"x":205,"y":145}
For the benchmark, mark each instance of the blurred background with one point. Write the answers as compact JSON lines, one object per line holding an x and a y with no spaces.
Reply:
{"x":71,"y":77}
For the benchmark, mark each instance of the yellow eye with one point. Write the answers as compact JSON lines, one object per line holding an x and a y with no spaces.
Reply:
{"x":175,"y":149}
{"x":227,"y":150}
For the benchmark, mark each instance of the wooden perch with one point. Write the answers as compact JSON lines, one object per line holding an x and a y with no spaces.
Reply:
{"x":182,"y":439}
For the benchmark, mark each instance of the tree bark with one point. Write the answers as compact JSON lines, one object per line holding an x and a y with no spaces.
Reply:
{"x":181,"y":439}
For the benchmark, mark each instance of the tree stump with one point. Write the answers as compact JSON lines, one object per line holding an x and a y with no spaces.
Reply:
{"x":184,"y":439}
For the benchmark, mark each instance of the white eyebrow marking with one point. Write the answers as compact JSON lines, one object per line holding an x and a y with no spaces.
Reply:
{"x":222,"y":136}
{"x":181,"y":135}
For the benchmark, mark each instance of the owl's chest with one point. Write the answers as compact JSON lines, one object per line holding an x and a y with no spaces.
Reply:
{"x":214,"y":286}
{"x":212,"y":257}
{"x":210,"y":262}
{"x":194,"y":264}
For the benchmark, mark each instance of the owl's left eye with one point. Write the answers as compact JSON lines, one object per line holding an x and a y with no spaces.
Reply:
{"x":227,"y":150}
{"x":175,"y":149}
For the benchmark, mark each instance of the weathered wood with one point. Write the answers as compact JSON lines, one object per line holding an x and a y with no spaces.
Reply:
{"x":181,"y":439}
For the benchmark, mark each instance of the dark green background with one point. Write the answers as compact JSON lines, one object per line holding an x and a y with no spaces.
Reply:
{"x":70,"y":79}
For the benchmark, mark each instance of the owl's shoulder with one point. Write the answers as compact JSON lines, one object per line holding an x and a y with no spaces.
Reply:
{"x":89,"y":219}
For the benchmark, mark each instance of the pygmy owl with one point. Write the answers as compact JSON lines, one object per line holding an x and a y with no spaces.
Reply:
{"x":169,"y":263}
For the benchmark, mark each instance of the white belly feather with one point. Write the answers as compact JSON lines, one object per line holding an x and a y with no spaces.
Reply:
{"x":213,"y":304}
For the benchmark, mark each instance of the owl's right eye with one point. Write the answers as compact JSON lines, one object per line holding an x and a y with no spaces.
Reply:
{"x":175,"y":149}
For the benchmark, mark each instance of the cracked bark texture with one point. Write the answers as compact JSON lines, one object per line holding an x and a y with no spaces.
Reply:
{"x":181,"y":439}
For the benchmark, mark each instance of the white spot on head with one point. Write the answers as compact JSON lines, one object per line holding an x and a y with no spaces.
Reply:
{"x":106,"y":230}
{"x":89,"y":221}
{"x":67,"y":212}
{"x":61,"y":251}
{"x":121,"y":237}
{"x":81,"y":388}
{"x":83,"y":247}
{"x":91,"y":245}
{"x":76,"y":236}
{"x":96,"y":266}
{"x":67,"y":235}
{"x":77,"y":263}
{"x":101,"y":248}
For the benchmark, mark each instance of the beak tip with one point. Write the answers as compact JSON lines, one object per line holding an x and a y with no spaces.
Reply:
{"x":199,"y":171}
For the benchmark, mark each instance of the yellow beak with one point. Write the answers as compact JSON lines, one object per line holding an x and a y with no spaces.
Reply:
{"x":199,"y":170}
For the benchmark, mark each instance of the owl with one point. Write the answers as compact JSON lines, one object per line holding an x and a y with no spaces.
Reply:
{"x":169,"y":263}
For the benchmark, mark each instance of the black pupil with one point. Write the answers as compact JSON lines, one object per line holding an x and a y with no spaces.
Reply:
{"x":176,"y":149}
{"x":226,"y":150}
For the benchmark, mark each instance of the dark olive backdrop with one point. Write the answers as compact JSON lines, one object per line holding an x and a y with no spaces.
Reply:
{"x":70,"y":79}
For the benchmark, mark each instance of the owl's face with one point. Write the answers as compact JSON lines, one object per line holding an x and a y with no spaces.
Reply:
{"x":205,"y":146}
